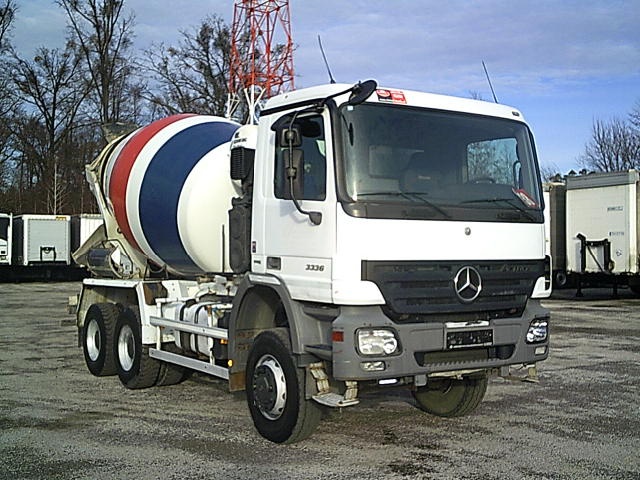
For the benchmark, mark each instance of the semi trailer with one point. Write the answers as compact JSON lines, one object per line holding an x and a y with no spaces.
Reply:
{"x":355,"y":237}
{"x":41,"y":239}
{"x":593,"y":230}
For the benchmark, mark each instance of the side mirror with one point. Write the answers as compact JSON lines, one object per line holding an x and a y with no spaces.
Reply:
{"x":290,"y":136}
{"x":362,"y":91}
{"x":294,"y":169}
{"x":286,"y":132}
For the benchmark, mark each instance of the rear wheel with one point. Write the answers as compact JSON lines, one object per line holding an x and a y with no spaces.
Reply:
{"x":275,"y":390}
{"x":97,"y":338}
{"x":171,"y":374}
{"x":136,"y":369}
{"x":450,"y":397}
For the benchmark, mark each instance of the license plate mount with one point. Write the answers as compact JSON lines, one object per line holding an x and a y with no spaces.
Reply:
{"x":469,"y":338}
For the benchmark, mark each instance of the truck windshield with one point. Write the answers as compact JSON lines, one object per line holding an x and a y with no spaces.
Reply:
{"x":404,"y":162}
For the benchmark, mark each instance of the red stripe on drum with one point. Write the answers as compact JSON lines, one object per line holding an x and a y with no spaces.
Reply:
{"x":122,"y":170}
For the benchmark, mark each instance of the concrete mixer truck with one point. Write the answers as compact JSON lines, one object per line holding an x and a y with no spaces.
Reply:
{"x":355,"y":237}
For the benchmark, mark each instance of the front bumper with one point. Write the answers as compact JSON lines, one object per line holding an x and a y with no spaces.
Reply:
{"x":423,"y":347}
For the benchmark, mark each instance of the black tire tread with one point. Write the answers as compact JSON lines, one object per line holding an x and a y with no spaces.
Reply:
{"x":148,"y":369}
{"x":109,"y":313}
{"x":472,"y":395}
{"x":169,"y":373}
{"x":147,"y":373}
{"x":309,"y":413}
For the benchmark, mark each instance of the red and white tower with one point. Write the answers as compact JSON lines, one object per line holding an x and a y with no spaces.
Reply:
{"x":261,"y":55}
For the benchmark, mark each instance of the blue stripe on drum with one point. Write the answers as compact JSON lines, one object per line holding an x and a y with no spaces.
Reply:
{"x":163,"y":182}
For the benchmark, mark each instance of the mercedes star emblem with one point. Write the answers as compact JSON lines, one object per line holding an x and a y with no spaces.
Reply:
{"x":467,"y":284}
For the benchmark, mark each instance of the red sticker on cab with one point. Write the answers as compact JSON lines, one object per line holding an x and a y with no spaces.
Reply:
{"x":391,"y":96}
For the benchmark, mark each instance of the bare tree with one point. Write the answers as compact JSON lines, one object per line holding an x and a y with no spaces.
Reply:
{"x":614,"y":146}
{"x":549,"y":171}
{"x":51,"y":84}
{"x":191,"y":77}
{"x":7,"y":15}
{"x":103,"y":37}
{"x":8,"y":101}
{"x":634,"y":117}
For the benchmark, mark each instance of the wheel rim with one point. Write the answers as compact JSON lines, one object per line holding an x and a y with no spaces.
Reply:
{"x":126,"y":347}
{"x":269,"y":387}
{"x":93,"y":340}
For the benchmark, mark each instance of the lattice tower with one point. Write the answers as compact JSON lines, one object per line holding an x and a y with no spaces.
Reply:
{"x":261,"y":63}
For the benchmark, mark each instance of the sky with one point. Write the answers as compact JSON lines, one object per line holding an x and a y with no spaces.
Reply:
{"x":562,"y":63}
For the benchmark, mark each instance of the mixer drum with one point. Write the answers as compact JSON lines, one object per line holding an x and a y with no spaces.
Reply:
{"x":169,"y":189}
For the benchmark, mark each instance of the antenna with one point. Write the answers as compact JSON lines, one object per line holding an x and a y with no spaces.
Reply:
{"x":495,"y":99}
{"x":326,"y":64}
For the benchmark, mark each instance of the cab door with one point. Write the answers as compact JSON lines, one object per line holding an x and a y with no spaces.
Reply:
{"x":288,"y":244}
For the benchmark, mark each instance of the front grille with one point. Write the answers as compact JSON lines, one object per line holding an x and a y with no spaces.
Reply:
{"x":424,"y":290}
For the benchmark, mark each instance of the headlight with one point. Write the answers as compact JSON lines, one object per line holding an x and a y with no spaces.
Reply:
{"x":377,"y":342}
{"x":538,"y":330}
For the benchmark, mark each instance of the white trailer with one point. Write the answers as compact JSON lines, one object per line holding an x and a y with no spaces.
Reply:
{"x":356,"y":236}
{"x":602,"y":226}
{"x":41,"y":240}
{"x":82,"y":227}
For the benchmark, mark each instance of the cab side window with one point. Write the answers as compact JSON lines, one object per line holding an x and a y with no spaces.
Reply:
{"x":314,"y":160}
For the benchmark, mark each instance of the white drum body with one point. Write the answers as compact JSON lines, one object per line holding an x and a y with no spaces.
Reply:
{"x":169,"y":189}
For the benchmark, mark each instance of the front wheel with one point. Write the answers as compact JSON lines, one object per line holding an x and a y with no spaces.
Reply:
{"x":136,"y":369}
{"x":275,"y":390}
{"x":450,"y":397}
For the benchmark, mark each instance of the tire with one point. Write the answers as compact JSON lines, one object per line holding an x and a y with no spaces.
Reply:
{"x":451,"y":397}
{"x":136,"y":369}
{"x":560,"y":279}
{"x":275,"y":390}
{"x":97,"y":339}
{"x":171,"y":374}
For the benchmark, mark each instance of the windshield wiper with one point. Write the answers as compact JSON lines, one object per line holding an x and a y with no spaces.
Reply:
{"x":414,"y":197}
{"x":386,"y":194}
{"x":420,"y":195}
{"x":512,"y":202}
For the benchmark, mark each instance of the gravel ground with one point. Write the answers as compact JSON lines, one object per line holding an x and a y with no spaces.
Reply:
{"x":58,"y":422}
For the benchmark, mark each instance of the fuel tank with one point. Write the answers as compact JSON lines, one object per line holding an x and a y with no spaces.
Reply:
{"x":168,"y":187}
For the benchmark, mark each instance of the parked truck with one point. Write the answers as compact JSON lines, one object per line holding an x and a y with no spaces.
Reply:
{"x":355,"y":237}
